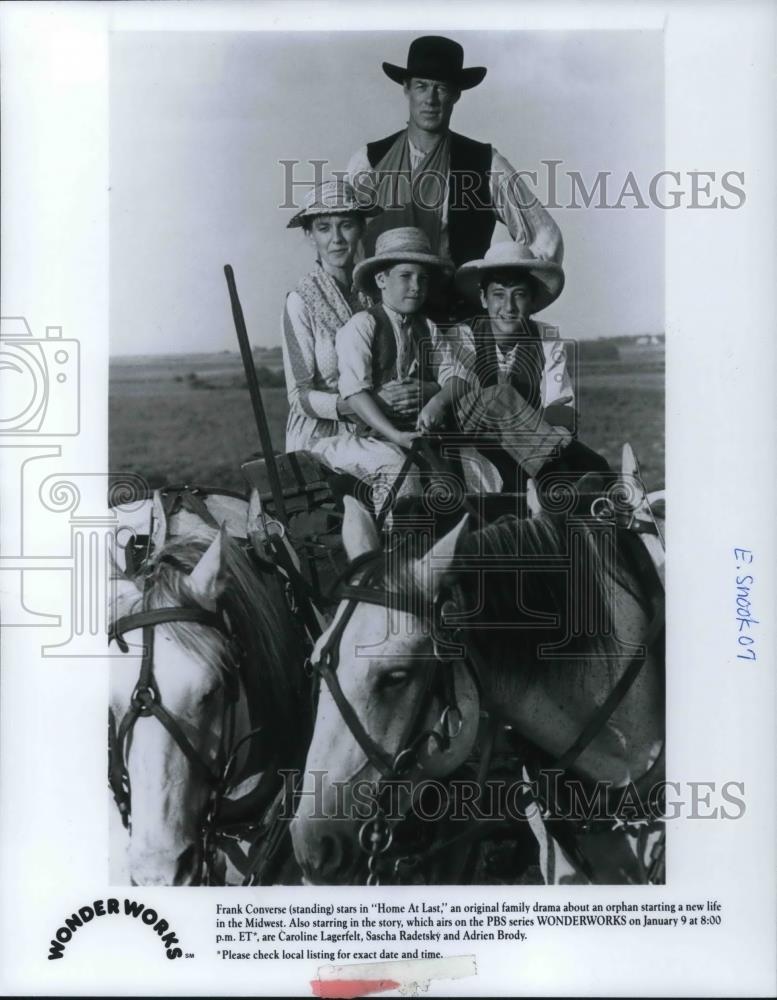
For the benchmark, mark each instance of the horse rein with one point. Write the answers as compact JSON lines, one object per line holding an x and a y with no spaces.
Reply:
{"x":375,"y":835}
{"x":146,"y":699}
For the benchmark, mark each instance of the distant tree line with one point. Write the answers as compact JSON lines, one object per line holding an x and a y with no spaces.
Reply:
{"x":597,"y":350}
{"x":270,"y":378}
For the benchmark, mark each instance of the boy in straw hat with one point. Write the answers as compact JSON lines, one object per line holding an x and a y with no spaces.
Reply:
{"x":507,"y":380}
{"x":389,"y":344}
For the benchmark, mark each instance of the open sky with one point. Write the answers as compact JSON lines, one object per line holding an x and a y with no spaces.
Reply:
{"x":199,"y":123}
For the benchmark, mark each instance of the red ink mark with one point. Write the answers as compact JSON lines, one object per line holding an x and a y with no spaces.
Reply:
{"x":346,"y":989}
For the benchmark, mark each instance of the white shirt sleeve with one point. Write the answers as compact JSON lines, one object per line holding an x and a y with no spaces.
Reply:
{"x":453,"y":354}
{"x":299,"y":362}
{"x":354,"y":354}
{"x":360,"y":174}
{"x":520,"y":210}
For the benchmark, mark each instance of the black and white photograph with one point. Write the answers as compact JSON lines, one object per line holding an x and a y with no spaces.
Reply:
{"x":431,"y":426}
{"x":379,"y":472}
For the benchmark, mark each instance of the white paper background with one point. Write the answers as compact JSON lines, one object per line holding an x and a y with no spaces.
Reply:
{"x":720,"y":311}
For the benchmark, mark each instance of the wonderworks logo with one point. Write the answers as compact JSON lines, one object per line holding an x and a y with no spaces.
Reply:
{"x":112,"y":907}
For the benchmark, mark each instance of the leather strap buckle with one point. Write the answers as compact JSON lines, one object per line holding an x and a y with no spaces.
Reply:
{"x":603,"y":509}
{"x":143,"y":697}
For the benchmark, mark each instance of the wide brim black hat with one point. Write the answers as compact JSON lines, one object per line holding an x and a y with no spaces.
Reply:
{"x":433,"y":57}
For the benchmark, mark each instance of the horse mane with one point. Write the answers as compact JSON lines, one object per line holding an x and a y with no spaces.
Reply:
{"x":263,"y":627}
{"x":559,"y":618}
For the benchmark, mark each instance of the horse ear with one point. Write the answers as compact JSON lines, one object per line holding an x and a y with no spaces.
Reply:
{"x":158,"y":521}
{"x":359,"y":532}
{"x":254,"y":516}
{"x":255,"y":523}
{"x":430,"y":570}
{"x":206,"y":581}
{"x":629,"y":466}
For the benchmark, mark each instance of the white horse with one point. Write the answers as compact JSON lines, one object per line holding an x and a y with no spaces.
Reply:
{"x":215,"y":704}
{"x":528,"y":659}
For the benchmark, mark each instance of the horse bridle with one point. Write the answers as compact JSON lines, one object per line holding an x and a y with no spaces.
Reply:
{"x":375,"y":834}
{"x":146,"y":700}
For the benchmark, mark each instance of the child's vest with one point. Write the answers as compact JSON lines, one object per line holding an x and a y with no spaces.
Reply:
{"x":384,"y":348}
{"x":528,"y":370}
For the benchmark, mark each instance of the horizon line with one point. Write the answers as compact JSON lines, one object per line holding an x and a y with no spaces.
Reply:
{"x":278,"y":346}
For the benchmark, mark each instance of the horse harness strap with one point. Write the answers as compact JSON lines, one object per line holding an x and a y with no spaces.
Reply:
{"x":372,"y":751}
{"x":327,"y":665}
{"x":356,"y":593}
{"x":420,"y":453}
{"x":146,"y":699}
{"x":439,"y":678}
{"x":188,"y":498}
{"x":162,"y":616}
{"x":646,"y":570}
{"x":299,"y":594}
{"x":614,"y":698}
{"x":362,"y":592}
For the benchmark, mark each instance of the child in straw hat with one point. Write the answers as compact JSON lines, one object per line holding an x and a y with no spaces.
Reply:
{"x":391,"y":344}
{"x":508,"y":383}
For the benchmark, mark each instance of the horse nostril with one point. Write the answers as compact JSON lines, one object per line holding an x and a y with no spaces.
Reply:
{"x":336,"y":857}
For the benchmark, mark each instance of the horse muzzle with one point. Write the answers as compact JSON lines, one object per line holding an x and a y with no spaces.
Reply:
{"x":328,"y":852}
{"x":171,"y":867}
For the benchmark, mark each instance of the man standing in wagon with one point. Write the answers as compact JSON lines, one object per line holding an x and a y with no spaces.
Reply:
{"x":453,"y":188}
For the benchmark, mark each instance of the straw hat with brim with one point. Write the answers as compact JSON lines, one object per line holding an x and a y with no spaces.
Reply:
{"x":403,"y":245}
{"x":513,"y":258}
{"x":433,"y":57}
{"x":335,"y":197}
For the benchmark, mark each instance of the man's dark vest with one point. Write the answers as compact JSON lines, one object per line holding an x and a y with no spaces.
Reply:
{"x":471,"y":218}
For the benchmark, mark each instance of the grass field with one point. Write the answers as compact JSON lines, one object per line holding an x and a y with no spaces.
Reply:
{"x":170,"y":427}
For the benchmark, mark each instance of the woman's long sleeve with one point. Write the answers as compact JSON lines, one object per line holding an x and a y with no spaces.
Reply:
{"x":299,"y":363}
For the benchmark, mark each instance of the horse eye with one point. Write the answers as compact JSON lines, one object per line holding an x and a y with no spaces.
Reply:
{"x":207,"y":696}
{"x":395,"y":678}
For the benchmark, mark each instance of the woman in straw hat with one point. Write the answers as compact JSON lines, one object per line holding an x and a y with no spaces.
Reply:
{"x":333,"y":222}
